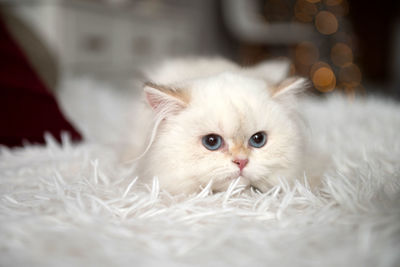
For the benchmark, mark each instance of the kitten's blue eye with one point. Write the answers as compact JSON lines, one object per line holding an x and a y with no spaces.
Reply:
{"x":258,"y":140}
{"x":212,"y":141}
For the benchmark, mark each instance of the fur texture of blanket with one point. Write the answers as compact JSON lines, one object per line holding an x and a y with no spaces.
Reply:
{"x":76,"y":205}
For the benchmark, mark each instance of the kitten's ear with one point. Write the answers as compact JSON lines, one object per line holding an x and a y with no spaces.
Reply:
{"x":290,"y":87}
{"x":164,"y":98}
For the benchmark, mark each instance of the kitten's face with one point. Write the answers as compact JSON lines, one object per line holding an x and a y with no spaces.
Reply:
{"x":229,"y":126}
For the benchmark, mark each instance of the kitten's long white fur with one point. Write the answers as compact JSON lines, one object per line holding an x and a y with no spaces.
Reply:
{"x":160,"y":114}
{"x":158,"y":119}
{"x":231,"y":96}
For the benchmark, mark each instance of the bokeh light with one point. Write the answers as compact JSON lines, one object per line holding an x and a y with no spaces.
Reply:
{"x":333,"y":2}
{"x":326,"y":22}
{"x":318,"y":65}
{"x":328,"y":60}
{"x":341,"y":54}
{"x":323,"y":77}
{"x":306,"y":53}
{"x":338,"y":8}
{"x":350,"y":76}
{"x":313,"y":1}
{"x":304,"y":11}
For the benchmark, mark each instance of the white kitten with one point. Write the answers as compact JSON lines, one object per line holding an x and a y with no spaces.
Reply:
{"x":209,"y":119}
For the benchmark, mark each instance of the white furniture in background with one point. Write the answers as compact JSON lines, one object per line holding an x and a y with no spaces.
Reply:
{"x":113,"y":41}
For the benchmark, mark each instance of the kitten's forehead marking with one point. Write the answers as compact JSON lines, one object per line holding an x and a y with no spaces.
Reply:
{"x":237,"y":121}
{"x":239,"y":150}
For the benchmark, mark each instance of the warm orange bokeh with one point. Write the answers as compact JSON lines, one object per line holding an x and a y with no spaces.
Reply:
{"x":341,"y":55}
{"x":326,"y":22}
{"x":305,"y":11}
{"x":350,"y":76}
{"x":313,"y":1}
{"x":333,"y":2}
{"x":322,"y":76}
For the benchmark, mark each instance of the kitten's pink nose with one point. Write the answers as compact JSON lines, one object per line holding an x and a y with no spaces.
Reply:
{"x":241,"y":163}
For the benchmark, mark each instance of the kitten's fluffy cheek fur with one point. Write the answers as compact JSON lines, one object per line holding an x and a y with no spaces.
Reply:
{"x":181,"y":164}
{"x":273,"y":166}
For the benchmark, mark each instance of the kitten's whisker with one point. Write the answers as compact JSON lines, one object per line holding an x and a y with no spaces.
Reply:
{"x":157,"y":122}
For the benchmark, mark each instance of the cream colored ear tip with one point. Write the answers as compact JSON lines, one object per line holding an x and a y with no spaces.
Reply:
{"x":292,"y":85}
{"x":158,"y":95}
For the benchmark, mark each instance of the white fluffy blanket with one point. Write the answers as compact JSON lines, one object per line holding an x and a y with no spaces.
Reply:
{"x":74,"y":205}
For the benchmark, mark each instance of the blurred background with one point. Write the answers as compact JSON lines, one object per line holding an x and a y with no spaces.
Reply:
{"x":341,"y":45}
{"x":348,"y":46}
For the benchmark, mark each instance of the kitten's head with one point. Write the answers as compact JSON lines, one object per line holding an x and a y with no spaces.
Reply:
{"x":221,"y":127}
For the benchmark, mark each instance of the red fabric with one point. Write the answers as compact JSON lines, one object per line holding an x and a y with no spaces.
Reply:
{"x":27,"y":108}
